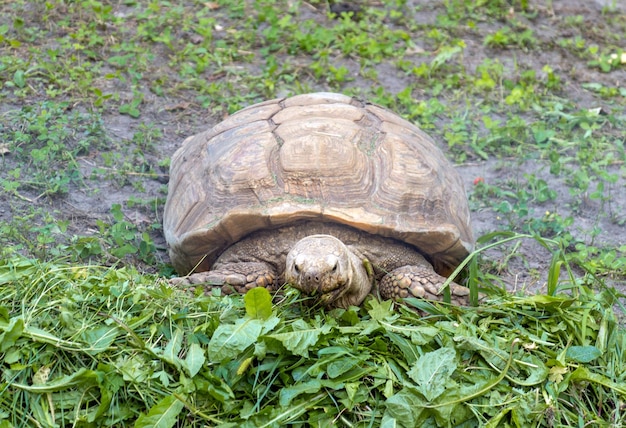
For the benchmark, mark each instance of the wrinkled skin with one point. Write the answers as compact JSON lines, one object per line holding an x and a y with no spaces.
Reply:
{"x":329,"y":262}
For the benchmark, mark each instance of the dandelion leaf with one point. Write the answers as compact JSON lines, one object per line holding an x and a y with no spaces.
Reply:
{"x":302,"y":337}
{"x":433,"y":371}
{"x":229,"y":340}
{"x":583,"y":354}
{"x":258,"y":303}
{"x":194,"y":360}
{"x":164,"y":414}
{"x":99,"y":338}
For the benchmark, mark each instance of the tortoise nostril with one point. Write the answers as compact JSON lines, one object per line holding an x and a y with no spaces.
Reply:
{"x":312,"y":277}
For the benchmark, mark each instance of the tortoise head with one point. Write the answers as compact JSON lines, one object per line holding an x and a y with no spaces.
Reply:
{"x":322,"y":266}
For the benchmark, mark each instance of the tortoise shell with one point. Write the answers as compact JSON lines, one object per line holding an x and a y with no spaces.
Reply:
{"x":324,"y":157}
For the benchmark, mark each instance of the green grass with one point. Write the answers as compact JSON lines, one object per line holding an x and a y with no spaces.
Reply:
{"x":100,"y":346}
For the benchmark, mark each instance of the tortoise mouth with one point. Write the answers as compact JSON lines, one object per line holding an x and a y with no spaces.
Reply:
{"x":329,"y":297}
{"x":324,"y":296}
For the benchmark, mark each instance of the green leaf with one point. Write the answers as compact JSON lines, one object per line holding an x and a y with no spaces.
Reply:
{"x":173,"y":348}
{"x":338,"y":367}
{"x":215,"y":386}
{"x":130,"y":109}
{"x":433,"y":371}
{"x":82,"y":377}
{"x":288,"y":394}
{"x":10,"y":333}
{"x":408,"y":349}
{"x":303,"y":337}
{"x":229,"y":340}
{"x":19,"y":78}
{"x":381,"y":310}
{"x":164,"y":414}
{"x":258,"y":303}
{"x":583,"y":374}
{"x":195,"y":359}
{"x":99,"y":338}
{"x":534,"y":368}
{"x":583,"y":354}
{"x":423,"y":334}
{"x":402,"y":409}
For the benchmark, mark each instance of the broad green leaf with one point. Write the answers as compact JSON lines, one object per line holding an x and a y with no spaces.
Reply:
{"x":17,"y":270}
{"x":195,"y":359}
{"x":584,"y":374}
{"x":302,"y":337}
{"x":164,"y":414}
{"x":173,"y":348}
{"x":402,"y":410}
{"x":533,"y":367}
{"x":389,"y":422}
{"x":19,"y":78}
{"x":99,"y":338}
{"x":258,"y":303}
{"x":493,"y":355}
{"x":134,"y":369}
{"x":408,"y":349}
{"x":214,"y":385}
{"x":583,"y":354}
{"x":382,"y":310}
{"x":543,"y":301}
{"x":423,"y":334}
{"x":229,"y":340}
{"x":433,"y":371}
{"x":288,"y":394}
{"x":338,"y":367}
{"x":10,"y":333}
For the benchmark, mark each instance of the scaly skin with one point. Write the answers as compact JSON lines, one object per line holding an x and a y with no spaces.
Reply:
{"x":327,"y":261}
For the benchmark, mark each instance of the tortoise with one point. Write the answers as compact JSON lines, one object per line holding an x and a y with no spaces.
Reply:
{"x":330,"y":194}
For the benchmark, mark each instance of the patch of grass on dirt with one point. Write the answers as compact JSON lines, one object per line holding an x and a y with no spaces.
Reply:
{"x":44,"y":141}
{"x":110,"y":347}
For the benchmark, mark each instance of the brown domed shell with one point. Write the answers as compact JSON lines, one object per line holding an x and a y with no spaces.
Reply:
{"x":323,"y":157}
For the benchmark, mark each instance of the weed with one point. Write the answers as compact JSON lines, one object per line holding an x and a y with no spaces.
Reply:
{"x":146,"y":137}
{"x":45,"y":141}
{"x":517,"y":204}
{"x":506,"y":37}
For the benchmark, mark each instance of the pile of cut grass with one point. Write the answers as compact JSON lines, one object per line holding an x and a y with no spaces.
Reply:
{"x":97,"y":346}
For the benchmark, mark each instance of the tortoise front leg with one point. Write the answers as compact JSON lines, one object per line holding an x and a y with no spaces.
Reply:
{"x":232,"y":277}
{"x":419,"y":281}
